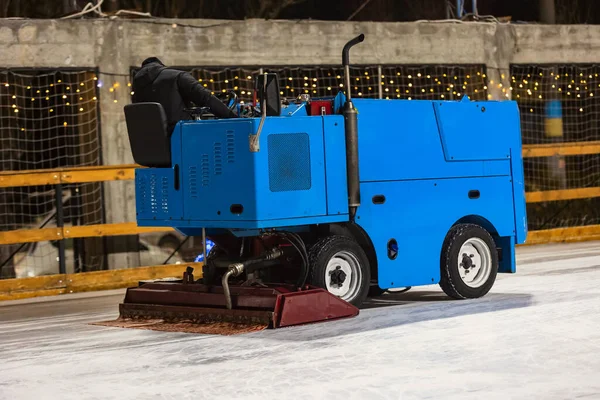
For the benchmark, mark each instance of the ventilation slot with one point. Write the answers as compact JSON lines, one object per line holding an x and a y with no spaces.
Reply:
{"x":143,"y":195}
{"x":153,"y":195}
{"x":218,"y":159}
{"x":230,"y":147}
{"x":193,"y":181}
{"x":205,"y":167}
{"x":165,"y":195}
{"x":289,"y":162}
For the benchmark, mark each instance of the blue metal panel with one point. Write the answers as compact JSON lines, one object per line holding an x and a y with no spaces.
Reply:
{"x":419,"y":214}
{"x":474,"y":130}
{"x":294,"y":109}
{"x":518,"y":175}
{"x":335,"y":164}
{"x":508,"y":265}
{"x":176,"y":199}
{"x":220,"y":171}
{"x":496,"y":168}
{"x":399,"y":140}
{"x":156,"y":197}
{"x":300,"y":201}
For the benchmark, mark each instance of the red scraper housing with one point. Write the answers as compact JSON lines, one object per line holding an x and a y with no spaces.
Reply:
{"x":275,"y":306}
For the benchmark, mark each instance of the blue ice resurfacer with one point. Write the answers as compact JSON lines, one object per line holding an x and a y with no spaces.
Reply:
{"x":314,"y":203}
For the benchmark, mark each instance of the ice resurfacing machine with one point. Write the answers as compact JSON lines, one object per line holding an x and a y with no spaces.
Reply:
{"x":314,"y":203}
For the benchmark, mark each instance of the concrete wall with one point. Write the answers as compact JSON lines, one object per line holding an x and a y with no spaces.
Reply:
{"x":114,"y":46}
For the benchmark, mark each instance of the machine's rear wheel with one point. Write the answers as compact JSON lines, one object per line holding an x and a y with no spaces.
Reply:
{"x":339,"y":265}
{"x":469,"y":262}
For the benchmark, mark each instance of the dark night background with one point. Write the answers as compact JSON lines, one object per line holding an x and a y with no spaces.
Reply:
{"x":567,"y":11}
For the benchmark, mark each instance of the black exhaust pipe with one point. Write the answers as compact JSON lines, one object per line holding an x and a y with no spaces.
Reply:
{"x":351,"y":126}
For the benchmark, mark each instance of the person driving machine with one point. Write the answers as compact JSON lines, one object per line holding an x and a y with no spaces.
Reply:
{"x":175,"y":90}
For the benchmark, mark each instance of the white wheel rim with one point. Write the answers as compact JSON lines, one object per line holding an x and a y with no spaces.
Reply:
{"x":474,"y":273}
{"x":343,"y":275}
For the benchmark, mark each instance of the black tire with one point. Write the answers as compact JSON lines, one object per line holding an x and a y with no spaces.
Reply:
{"x":451,"y":281}
{"x":324,"y":251}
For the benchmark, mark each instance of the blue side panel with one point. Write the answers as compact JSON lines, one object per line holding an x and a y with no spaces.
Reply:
{"x":473,"y":131}
{"x":399,"y":140}
{"x":496,"y":168}
{"x":156,"y":198}
{"x":335,"y":165}
{"x":228,"y":186}
{"x":513,"y":121}
{"x":218,"y":170}
{"x":294,"y":109}
{"x":509,"y":259}
{"x":338,"y":102}
{"x":177,"y":163}
{"x":419,"y":214}
{"x":290,"y":169}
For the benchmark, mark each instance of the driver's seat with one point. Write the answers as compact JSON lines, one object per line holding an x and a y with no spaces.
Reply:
{"x":147,"y":128}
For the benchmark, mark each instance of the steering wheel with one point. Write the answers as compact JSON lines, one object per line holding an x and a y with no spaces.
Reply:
{"x":229,"y":98}
{"x":197,"y":112}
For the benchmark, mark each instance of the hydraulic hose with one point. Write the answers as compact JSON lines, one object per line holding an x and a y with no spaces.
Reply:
{"x":235,"y":270}
{"x":238,"y":268}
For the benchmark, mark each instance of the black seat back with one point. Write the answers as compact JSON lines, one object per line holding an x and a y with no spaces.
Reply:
{"x":148,"y":133}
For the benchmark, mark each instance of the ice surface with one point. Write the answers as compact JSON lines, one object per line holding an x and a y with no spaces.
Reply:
{"x":535,"y":336}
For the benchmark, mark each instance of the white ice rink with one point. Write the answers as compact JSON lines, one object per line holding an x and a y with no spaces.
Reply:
{"x":536,"y":336}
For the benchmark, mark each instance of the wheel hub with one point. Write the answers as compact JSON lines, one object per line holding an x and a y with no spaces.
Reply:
{"x":343,"y":275}
{"x":467,"y":262}
{"x":338,"y":276}
{"x":474,"y":262}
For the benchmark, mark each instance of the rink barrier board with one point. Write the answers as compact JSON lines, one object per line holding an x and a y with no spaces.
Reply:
{"x":562,"y":194}
{"x":71,"y":232}
{"x":101,"y":173}
{"x":51,"y":285}
{"x":561,"y":149}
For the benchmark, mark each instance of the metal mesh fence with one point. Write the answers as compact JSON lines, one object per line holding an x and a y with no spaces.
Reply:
{"x":560,"y":103}
{"x":48,"y":119}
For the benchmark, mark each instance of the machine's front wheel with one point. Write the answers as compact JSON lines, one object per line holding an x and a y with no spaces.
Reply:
{"x":339,"y":265}
{"x":469,"y":262}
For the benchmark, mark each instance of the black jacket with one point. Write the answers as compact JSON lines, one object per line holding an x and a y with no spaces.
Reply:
{"x":175,"y":90}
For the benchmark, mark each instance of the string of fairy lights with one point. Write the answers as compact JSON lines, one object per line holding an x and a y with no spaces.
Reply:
{"x":70,"y":95}
{"x":388,"y":82}
{"x":427,"y":82}
{"x":550,"y":86}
